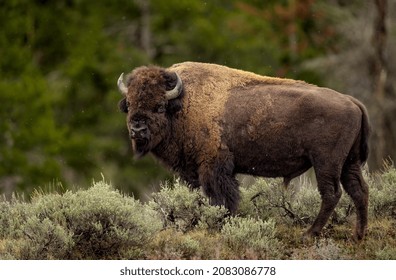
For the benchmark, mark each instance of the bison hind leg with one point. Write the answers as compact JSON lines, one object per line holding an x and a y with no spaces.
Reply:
{"x":354,"y":184}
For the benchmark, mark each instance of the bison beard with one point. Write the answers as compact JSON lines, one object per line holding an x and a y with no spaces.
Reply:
{"x":209,"y":122}
{"x":140,"y":147}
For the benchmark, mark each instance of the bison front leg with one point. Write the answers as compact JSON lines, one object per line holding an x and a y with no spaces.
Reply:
{"x":218,"y":182}
{"x":191,"y":178}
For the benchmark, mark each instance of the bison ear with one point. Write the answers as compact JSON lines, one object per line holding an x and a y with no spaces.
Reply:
{"x":171,"y":82}
{"x":122,"y":105}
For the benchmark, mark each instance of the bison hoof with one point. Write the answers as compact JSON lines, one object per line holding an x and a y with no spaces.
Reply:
{"x":306,"y":238}
{"x":309,"y":236}
{"x":358,"y":237}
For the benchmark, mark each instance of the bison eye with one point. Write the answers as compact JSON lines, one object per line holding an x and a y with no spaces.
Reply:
{"x":161,"y":109}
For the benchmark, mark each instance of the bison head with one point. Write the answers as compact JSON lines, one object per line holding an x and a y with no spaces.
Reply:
{"x":152,"y":96}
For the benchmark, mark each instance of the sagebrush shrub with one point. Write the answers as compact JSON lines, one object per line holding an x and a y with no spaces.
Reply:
{"x":322,"y":249}
{"x":185,"y":209}
{"x":98,"y":223}
{"x":254,"y":199}
{"x":327,"y":249}
{"x":40,"y":239}
{"x":101,"y":223}
{"x":173,"y":244}
{"x":382,"y":196}
{"x":296,"y":205}
{"x":245,"y":235}
{"x":387,"y":253}
{"x":104,"y":222}
{"x":268,"y":198}
{"x":4,"y":218}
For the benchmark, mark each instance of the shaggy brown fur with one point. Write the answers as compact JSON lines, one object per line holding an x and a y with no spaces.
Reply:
{"x":228,"y":121}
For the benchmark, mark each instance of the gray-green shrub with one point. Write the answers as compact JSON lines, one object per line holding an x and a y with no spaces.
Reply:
{"x":244,"y":235}
{"x":298,"y":204}
{"x":185,"y":209}
{"x":382,"y":196}
{"x":101,"y":223}
{"x":387,"y":253}
{"x":98,"y":223}
{"x":267,"y":198}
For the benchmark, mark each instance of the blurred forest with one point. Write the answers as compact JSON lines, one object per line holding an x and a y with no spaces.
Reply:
{"x":59,"y":62}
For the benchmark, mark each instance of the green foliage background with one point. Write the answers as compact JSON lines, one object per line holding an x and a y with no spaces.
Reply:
{"x":59,"y":61}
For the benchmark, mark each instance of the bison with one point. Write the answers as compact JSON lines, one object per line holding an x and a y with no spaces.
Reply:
{"x":208,"y":122}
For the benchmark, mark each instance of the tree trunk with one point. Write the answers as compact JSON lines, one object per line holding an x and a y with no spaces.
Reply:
{"x":378,"y":70}
{"x":145,"y":28}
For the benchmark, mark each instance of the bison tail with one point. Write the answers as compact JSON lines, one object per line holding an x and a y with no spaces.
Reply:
{"x":365,"y":132}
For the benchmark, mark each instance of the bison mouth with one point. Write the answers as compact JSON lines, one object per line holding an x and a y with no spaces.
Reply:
{"x":140,"y":147}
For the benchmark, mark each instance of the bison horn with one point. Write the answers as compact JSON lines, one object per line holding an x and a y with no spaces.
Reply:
{"x":174,"y":93}
{"x":121,"y":86}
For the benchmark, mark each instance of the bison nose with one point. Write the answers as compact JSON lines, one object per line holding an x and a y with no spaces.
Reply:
{"x":138,"y":130}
